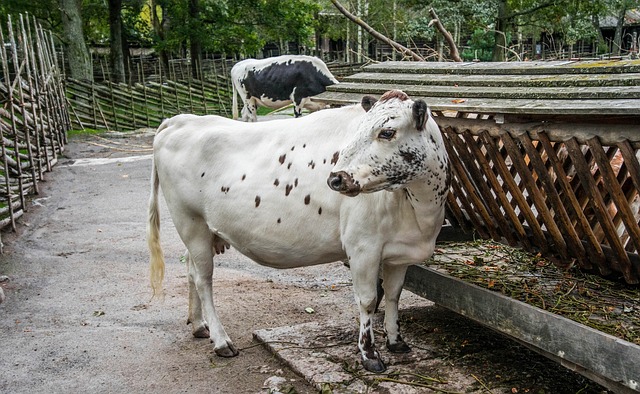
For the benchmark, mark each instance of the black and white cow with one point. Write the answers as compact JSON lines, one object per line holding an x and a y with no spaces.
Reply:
{"x":279,"y":81}
{"x":266,"y":189}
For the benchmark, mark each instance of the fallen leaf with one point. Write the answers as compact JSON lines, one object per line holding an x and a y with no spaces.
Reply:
{"x":458,"y":101}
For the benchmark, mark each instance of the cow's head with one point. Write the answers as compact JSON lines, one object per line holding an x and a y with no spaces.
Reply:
{"x":396,"y":143}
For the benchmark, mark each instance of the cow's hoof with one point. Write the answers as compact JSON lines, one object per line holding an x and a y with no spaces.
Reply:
{"x":399,"y":347}
{"x":374,"y":365}
{"x":201,"y":332}
{"x":227,"y":351}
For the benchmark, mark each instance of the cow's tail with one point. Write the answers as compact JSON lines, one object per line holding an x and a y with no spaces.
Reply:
{"x":235,"y":100}
{"x":153,"y":233}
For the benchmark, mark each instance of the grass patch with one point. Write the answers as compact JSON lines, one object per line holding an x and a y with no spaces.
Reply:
{"x":86,"y":131}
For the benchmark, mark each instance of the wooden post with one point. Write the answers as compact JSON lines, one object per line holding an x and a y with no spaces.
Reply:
{"x":14,"y":129}
{"x":5,"y":161}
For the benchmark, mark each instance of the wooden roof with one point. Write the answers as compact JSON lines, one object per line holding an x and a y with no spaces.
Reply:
{"x":609,"y":87}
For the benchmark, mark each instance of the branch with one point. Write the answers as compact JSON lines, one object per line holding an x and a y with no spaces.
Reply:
{"x":453,"y":49}
{"x":398,"y":47}
{"x":530,"y":10}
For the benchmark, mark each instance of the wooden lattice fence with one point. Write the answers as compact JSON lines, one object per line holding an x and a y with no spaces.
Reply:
{"x":570,"y":191}
{"x":123,"y":107}
{"x":33,"y":113}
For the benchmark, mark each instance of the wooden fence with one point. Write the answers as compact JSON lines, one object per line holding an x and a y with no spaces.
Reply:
{"x":33,"y":114}
{"x":123,"y":107}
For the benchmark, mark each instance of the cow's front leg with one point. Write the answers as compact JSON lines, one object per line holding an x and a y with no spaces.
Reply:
{"x":365,"y":279}
{"x":393,"y":280}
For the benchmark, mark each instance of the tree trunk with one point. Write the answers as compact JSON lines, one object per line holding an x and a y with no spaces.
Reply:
{"x":195,"y":46}
{"x":158,"y":28}
{"x":500,"y":33}
{"x":115,"y":42}
{"x":77,"y":51}
{"x":617,"y":38}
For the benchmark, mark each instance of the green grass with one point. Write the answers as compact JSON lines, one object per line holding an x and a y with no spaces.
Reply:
{"x":86,"y":131}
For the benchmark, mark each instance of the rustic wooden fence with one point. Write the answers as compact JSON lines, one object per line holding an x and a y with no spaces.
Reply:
{"x":123,"y":107}
{"x":33,"y":113}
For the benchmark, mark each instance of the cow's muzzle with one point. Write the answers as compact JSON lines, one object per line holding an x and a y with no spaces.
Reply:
{"x":342,"y":182}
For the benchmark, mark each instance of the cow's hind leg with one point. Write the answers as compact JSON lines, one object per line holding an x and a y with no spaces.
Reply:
{"x":201,"y":246}
{"x":196,"y":319}
{"x":393,"y":280}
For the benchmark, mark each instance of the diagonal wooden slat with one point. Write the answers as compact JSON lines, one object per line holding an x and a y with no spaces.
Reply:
{"x":472,"y":202}
{"x":486,"y":200}
{"x":537,"y":198}
{"x":567,"y":235}
{"x":593,"y":248}
{"x":613,"y":187}
{"x":621,"y":262}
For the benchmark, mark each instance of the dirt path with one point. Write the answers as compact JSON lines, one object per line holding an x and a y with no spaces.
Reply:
{"x":78,"y":316}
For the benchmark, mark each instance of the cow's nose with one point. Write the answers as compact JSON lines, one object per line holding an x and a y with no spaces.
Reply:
{"x":335,"y":181}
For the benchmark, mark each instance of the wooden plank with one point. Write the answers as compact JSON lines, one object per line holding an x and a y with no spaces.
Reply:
{"x":608,"y":360}
{"x":555,"y":80}
{"x":502,"y":68}
{"x":618,"y":107}
{"x":509,"y":92}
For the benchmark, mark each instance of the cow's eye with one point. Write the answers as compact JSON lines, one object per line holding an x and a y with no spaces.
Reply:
{"x":386,"y":134}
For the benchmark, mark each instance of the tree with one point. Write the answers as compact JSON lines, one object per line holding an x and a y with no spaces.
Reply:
{"x":195,"y":46}
{"x":77,"y":52}
{"x":116,"y":50}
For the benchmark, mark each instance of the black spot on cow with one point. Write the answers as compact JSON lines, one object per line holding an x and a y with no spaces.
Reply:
{"x":295,"y":182}
{"x":335,"y":157}
{"x":292,"y":148}
{"x":288,"y":190}
{"x":320,"y":211}
{"x":257,"y":201}
{"x":279,"y":221}
{"x":312,"y":164}
{"x":202,"y":175}
{"x":307,"y":199}
{"x":276,"y":182}
{"x":244,"y":176}
{"x":304,"y":145}
{"x":282,"y":158}
{"x":289,"y":166}
{"x":407,"y":156}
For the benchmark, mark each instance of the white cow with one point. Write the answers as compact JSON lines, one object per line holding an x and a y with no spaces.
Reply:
{"x":265,"y":189}
{"x":278,"y":81}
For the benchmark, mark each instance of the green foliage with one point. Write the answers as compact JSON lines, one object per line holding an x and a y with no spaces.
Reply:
{"x":244,"y":26}
{"x":480,"y":46}
{"x":240,"y":26}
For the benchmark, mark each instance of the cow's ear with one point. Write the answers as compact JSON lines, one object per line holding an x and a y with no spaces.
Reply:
{"x":420,"y":114}
{"x":367,"y":102}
